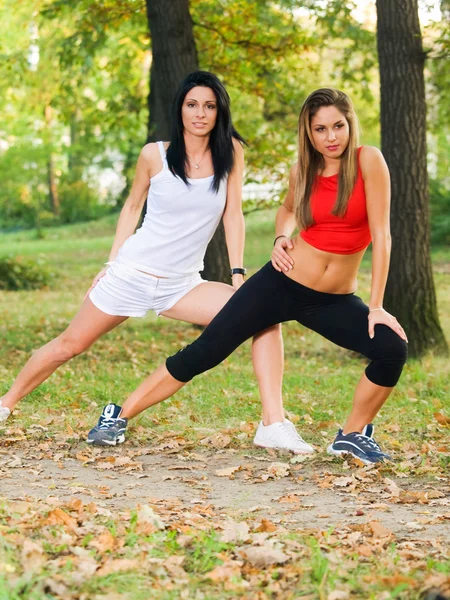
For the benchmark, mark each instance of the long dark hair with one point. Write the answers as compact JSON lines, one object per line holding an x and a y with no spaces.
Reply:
{"x":221,"y":137}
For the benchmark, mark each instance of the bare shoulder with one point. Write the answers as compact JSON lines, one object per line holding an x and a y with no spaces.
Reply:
{"x":371,"y":159}
{"x":238,"y":148}
{"x":151,"y":151}
{"x":150,"y":158}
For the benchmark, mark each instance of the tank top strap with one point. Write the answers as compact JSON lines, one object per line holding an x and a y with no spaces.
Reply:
{"x":162,"y":153}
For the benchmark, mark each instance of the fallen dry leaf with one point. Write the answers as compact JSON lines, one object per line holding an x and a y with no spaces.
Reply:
{"x":224,"y":572}
{"x":263,"y":556}
{"x":279,"y":470}
{"x":266,"y":526}
{"x":33,"y":556}
{"x":442,"y":419}
{"x":105,"y":541}
{"x":342,"y":481}
{"x":59,"y":517}
{"x":235,"y":532}
{"x":119,"y":564}
{"x":218,"y":440}
{"x":227,"y":472}
{"x":146,"y":515}
{"x":379,"y":530}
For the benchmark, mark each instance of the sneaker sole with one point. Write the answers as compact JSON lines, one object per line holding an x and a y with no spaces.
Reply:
{"x":273,"y":447}
{"x":344,"y":452}
{"x":120,"y":440}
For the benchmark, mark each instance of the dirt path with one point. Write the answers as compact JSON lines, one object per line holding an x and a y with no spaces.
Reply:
{"x":308,"y":494}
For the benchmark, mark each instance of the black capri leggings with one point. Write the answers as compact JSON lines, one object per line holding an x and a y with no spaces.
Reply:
{"x":270,"y":297}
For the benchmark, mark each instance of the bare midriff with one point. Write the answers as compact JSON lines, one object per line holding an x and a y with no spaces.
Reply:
{"x":324,"y":271}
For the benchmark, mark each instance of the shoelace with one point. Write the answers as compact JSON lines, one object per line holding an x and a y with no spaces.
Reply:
{"x":107,"y":422}
{"x":367,"y":441}
{"x":291,"y":432}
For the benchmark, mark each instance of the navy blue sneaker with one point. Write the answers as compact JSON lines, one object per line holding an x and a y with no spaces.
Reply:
{"x":110,"y":429}
{"x":360,"y":445}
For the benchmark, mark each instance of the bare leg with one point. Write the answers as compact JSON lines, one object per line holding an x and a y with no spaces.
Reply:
{"x":159,"y":386}
{"x":200,"y":306}
{"x":367,"y":401}
{"x":268,"y":363}
{"x":87,"y":326}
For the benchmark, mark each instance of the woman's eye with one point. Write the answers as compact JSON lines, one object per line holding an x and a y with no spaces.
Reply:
{"x":320,"y":129}
{"x":211,"y":106}
{"x":190,"y":105}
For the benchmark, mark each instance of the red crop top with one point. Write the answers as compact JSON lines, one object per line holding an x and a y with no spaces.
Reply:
{"x":339,"y":235}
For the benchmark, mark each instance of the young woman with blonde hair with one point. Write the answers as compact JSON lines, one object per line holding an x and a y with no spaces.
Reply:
{"x":338,"y":197}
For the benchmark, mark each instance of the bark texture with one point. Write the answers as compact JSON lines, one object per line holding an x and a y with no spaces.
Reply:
{"x":174,"y":56}
{"x":410,"y":292}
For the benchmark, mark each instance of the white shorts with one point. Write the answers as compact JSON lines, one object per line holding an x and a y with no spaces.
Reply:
{"x":127,"y":292}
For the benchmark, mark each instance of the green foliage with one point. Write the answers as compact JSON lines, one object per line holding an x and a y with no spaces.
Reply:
{"x":20,"y":273}
{"x":82,"y":107}
{"x":79,"y":202}
{"x":439,"y":213}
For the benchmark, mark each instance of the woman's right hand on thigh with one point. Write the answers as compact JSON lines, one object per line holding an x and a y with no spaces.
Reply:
{"x":281,"y":260}
{"x":96,"y":280}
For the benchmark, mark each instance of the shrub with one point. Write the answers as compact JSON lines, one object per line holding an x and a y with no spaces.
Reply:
{"x":440,"y":213}
{"x":79,"y":202}
{"x":19,"y":273}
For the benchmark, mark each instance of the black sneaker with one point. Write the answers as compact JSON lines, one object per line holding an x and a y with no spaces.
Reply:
{"x":110,"y":429}
{"x":360,"y":445}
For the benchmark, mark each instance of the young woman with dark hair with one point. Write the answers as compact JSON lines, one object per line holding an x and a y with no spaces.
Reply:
{"x":338,"y":197}
{"x":189,"y":189}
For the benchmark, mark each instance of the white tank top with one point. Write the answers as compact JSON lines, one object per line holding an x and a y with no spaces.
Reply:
{"x":179,"y":223}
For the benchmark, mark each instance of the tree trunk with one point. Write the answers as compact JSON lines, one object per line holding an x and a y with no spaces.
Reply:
{"x":174,"y":57}
{"x":410,"y":293}
{"x":217,"y":265}
{"x":53,"y":195}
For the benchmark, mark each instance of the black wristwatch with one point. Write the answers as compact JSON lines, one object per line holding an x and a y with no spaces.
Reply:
{"x":238,"y":271}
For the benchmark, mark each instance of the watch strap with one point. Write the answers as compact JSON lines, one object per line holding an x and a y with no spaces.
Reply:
{"x":238,"y":271}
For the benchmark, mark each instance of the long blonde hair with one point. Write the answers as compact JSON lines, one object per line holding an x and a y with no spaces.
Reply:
{"x":311,"y":162}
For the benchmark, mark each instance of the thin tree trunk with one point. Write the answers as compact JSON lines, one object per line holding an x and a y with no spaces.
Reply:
{"x":53,"y":195}
{"x":410,"y":292}
{"x":174,"y":57}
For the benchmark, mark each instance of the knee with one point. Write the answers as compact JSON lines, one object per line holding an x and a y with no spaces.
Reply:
{"x":395,"y":349}
{"x":389,"y":346}
{"x":388,"y":358}
{"x":66,"y":347}
{"x":193,"y":360}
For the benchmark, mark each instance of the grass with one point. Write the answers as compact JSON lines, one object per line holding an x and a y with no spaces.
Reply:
{"x":318,"y":385}
{"x":319,"y":377}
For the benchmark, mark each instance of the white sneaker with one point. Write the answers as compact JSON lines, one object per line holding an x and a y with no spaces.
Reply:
{"x":4,"y":412}
{"x":283,"y":436}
